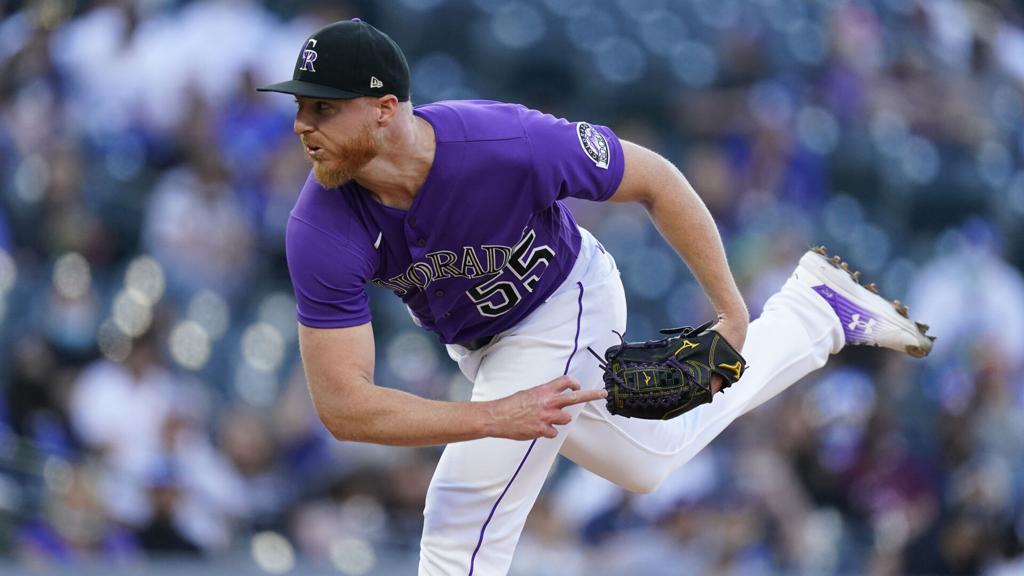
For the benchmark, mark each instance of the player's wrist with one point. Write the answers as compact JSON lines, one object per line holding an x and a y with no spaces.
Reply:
{"x":485,"y":418}
{"x":736,"y":312}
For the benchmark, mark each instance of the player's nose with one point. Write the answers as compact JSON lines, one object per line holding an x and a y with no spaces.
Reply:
{"x":301,"y":125}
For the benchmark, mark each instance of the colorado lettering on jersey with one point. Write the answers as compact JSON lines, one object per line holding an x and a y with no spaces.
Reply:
{"x":496,"y":295}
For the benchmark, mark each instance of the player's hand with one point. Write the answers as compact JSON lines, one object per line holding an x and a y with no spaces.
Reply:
{"x":732,"y":327}
{"x":534,"y":412}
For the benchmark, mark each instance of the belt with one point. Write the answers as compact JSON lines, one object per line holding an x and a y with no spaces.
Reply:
{"x":476,"y":344}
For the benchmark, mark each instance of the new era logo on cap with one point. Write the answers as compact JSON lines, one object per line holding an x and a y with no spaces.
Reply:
{"x":336,"y":61}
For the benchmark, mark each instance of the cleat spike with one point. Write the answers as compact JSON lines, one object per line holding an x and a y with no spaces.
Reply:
{"x":820,"y":250}
{"x":917,"y":351}
{"x":836,"y":260}
{"x":922,"y":327}
{"x":856,"y":276}
{"x":845,"y":267}
{"x":904,"y":311}
{"x":872,"y":288}
{"x":932,"y":338}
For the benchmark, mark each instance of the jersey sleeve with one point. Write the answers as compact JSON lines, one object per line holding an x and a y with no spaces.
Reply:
{"x":575,"y":159}
{"x":328,"y":275}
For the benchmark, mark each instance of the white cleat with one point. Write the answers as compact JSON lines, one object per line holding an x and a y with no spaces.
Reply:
{"x":868,"y":319}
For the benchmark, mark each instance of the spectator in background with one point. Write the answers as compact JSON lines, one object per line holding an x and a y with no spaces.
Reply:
{"x":77,"y":528}
{"x":119,"y":411}
{"x":196,"y":228}
{"x":162,"y":533}
{"x":917,"y":112}
{"x":36,"y":405}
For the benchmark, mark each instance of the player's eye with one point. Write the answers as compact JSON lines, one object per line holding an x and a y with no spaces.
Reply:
{"x":322,"y":107}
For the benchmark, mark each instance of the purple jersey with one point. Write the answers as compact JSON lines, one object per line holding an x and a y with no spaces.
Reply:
{"x":486,"y":239}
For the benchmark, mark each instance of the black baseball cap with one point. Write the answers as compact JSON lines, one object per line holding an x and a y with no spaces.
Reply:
{"x":347,"y":59}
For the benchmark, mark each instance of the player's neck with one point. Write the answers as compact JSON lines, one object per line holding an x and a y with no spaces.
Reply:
{"x":396,"y":175}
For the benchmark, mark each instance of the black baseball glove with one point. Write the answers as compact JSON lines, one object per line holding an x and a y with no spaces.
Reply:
{"x":662,"y":379}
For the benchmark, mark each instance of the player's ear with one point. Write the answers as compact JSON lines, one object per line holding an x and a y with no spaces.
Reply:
{"x":387,"y":108}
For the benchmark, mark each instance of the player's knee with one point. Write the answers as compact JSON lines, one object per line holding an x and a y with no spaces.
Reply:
{"x":643,"y":481}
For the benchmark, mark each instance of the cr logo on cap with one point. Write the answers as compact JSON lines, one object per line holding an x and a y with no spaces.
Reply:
{"x":309,"y":56}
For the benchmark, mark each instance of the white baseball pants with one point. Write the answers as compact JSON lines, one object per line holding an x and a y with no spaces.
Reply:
{"x":483,"y":490}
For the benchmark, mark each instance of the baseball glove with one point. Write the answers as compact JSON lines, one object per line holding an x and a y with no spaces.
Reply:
{"x":662,"y":379}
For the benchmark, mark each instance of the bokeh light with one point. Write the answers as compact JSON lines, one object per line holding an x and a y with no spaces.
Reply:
{"x":566,"y":8}
{"x":411,"y":356}
{"x":189,"y":345}
{"x":919,"y":160}
{"x":589,"y":26}
{"x":718,"y":14}
{"x":131,"y":312}
{"x":113,"y":342}
{"x":994,"y":163}
{"x":620,"y":60}
{"x":438,"y":76}
{"x":771,"y":104}
{"x":808,"y":43}
{"x":256,"y":387}
{"x":210,"y":310}
{"x":145,"y":276}
{"x":72,"y":276}
{"x":661,"y":31}
{"x":353,"y":556}
{"x":784,"y":15}
{"x":278,"y":310}
{"x":1014,"y":193}
{"x":518,"y":25}
{"x":31,"y":178}
{"x":8,"y":272}
{"x":273,"y":552}
{"x":651,"y":272}
{"x":817,"y":129}
{"x":694,"y":63}
{"x":263,"y":347}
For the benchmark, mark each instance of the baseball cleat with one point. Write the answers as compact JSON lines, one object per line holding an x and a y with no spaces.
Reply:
{"x":868,"y":319}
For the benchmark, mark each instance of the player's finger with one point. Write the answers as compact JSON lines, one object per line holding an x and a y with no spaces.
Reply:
{"x":562,"y":418}
{"x":566,"y":383}
{"x":550,"y":432}
{"x":581,"y":396}
{"x":716,"y":383}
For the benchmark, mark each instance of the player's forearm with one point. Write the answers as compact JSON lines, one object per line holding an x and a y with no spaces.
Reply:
{"x":393,"y":417}
{"x":685,"y":222}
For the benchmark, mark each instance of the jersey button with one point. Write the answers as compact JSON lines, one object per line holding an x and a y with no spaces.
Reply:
{"x":447,"y":314}
{"x":438,"y":293}
{"x":421,"y":242}
{"x":412,"y":220}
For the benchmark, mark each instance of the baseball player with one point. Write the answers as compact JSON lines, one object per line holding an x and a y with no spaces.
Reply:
{"x":456,"y":208}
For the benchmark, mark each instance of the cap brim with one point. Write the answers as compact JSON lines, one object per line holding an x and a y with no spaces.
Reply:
{"x":309,"y":90}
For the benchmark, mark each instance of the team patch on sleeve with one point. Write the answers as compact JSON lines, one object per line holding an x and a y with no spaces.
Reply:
{"x":594,"y":144}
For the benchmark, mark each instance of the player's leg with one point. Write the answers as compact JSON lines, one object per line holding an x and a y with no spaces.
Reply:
{"x":794,"y":335}
{"x":483,"y":490}
{"x":815,"y":313}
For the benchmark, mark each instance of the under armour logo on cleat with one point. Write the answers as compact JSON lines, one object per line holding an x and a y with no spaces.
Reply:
{"x":865,"y":327}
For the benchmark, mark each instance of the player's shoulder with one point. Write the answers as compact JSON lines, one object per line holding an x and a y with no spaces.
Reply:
{"x":333,"y":213}
{"x":474,"y":120}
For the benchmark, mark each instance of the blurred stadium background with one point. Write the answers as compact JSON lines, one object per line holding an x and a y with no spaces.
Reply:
{"x":154,"y":415}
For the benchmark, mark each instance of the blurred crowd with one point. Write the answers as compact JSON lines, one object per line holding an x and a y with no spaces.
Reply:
{"x":152,"y":403}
